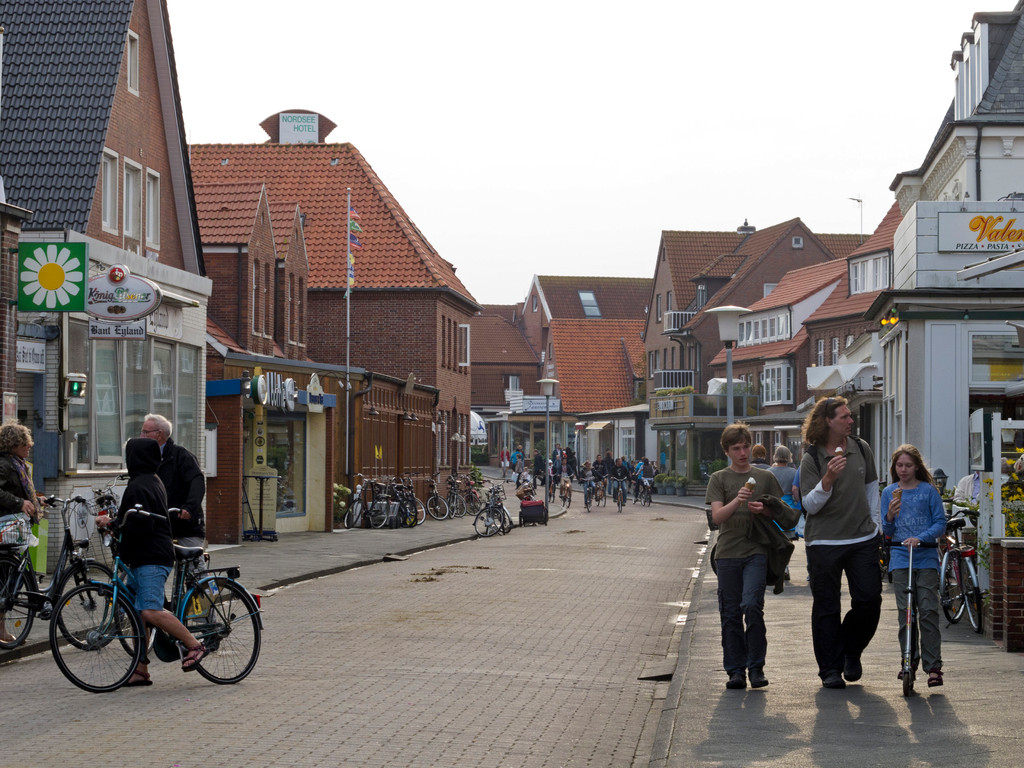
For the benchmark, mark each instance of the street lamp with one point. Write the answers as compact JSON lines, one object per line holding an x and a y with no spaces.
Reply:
{"x":729,"y":332}
{"x":547,"y":388}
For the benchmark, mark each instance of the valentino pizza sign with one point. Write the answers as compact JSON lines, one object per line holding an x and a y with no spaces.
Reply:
{"x":120,"y":295}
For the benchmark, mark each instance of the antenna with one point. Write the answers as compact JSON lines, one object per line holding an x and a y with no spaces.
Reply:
{"x":860,"y":204}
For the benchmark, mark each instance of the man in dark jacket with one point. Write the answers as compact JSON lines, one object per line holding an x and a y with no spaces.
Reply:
{"x":540,"y":469}
{"x":183,"y":479}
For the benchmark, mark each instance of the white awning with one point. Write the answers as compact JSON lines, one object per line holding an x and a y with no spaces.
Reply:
{"x":598,"y":424}
{"x":829,"y":378}
{"x":477,"y":427}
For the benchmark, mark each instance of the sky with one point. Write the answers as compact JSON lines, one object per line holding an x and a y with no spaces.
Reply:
{"x":561,"y":137}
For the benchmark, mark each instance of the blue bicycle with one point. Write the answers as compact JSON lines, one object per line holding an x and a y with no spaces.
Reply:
{"x":98,"y":639}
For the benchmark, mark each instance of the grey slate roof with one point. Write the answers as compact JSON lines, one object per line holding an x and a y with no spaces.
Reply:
{"x":1005,"y":92}
{"x":61,"y":60}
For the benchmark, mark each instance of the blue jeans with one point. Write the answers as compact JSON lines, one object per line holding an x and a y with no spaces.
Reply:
{"x":741,"y":584}
{"x":616,"y":484}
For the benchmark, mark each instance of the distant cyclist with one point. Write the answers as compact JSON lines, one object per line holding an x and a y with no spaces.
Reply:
{"x":618,"y":477}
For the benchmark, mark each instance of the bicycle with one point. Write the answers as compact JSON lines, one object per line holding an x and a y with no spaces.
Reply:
{"x":356,"y":506}
{"x":909,"y":641}
{"x":565,"y":492}
{"x":645,"y":492}
{"x":456,"y":502}
{"x":21,"y":600}
{"x":409,"y":493}
{"x":437,"y":506}
{"x":619,"y":489}
{"x":493,"y":517}
{"x":958,"y":576}
{"x":98,"y":640}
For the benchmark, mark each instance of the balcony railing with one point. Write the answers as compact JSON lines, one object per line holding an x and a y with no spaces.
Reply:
{"x":698,"y":407}
{"x":675,"y":320}
{"x":674,"y":379}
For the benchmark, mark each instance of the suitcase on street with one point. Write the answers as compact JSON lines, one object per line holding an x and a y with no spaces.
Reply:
{"x":533,"y":512}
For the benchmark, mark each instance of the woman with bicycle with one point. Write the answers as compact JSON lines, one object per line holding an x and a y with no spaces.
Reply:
{"x":17,"y":493}
{"x":914,"y":514}
{"x":147,"y":548}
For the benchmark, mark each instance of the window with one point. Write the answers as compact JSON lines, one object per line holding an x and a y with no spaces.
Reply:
{"x":108,"y":200}
{"x":288,"y":308}
{"x":464,"y":345}
{"x":590,"y":308}
{"x":702,"y":294}
{"x":820,"y":356}
{"x":513,"y":381}
{"x":132,"y":200}
{"x":657,"y":307}
{"x":869,"y":274}
{"x":849,"y":341}
{"x":133,"y":62}
{"x":798,"y":243}
{"x":769,"y":287}
{"x":534,"y":303}
{"x":152,"y":208}
{"x":268,"y":320}
{"x":996,"y":357}
{"x":300,"y":313}
{"x":835,"y":350}
{"x":254,"y":297}
{"x":668,"y":301}
{"x":777,"y":384}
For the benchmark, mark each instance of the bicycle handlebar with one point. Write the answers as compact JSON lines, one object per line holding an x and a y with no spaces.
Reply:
{"x":925,"y":544}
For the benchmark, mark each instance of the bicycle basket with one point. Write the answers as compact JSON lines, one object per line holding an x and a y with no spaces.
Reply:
{"x":14,"y":530}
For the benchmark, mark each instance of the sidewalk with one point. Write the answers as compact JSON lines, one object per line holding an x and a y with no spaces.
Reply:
{"x":973,"y":718}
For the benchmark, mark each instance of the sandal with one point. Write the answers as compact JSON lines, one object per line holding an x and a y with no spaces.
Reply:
{"x":193,"y":657}
{"x":138,"y":678}
{"x":934,"y":678}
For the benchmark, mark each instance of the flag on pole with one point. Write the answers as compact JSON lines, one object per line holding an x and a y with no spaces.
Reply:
{"x":352,"y":214}
{"x":354,"y":241}
{"x":353,"y":227}
{"x":351,"y":270}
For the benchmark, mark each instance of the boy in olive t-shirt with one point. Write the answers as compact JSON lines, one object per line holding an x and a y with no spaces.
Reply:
{"x":742,"y":563}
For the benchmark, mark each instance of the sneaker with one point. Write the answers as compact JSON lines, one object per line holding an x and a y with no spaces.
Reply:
{"x":833,"y":680}
{"x":853,"y":670}
{"x":757,"y":678}
{"x":737,"y":681}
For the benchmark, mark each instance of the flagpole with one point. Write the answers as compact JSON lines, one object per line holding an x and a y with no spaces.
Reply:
{"x":348,"y":294}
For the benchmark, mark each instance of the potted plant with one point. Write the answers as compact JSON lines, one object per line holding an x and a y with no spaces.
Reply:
{"x":681,"y":481}
{"x":670,"y":485}
{"x":659,"y":482}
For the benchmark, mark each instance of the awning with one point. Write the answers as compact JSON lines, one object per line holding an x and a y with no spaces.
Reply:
{"x":598,"y":425}
{"x":477,"y":427}
{"x":829,"y":378}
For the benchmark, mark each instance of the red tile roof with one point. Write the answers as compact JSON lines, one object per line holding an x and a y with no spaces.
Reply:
{"x":282,"y":218}
{"x":395,"y":254}
{"x":840,"y":246}
{"x":227,"y":212}
{"x":496,"y":340}
{"x":687,"y":253}
{"x":596,"y":362}
{"x":885,"y":233}
{"x":618,"y":298}
{"x":798,"y":284}
{"x":221,"y":336}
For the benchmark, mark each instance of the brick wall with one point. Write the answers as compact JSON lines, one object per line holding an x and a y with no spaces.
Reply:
{"x":10,"y":230}
{"x":1006,"y":593}
{"x":136,"y":133}
{"x":224,"y":492}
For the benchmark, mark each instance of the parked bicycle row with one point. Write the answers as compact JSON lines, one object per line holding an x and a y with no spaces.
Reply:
{"x":392,"y":503}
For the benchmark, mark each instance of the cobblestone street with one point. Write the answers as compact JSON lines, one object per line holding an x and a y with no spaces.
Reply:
{"x":522,"y":650}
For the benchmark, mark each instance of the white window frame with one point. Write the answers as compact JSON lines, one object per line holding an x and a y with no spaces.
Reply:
{"x":835,"y":350}
{"x":588,"y":301}
{"x":820,"y":356}
{"x":657,"y":307}
{"x":132,"y":221}
{"x":777,"y":384}
{"x":109,"y":208}
{"x":152,"y":208}
{"x":464,"y":360}
{"x":132,"y":47}
{"x":255,"y":295}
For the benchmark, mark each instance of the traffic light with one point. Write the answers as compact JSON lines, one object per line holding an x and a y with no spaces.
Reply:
{"x":75,"y":385}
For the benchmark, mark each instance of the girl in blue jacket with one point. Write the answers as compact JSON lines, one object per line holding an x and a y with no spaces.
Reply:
{"x":914,"y":514}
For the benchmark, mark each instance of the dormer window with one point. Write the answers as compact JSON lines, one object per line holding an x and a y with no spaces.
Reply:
{"x":589,"y":302}
{"x":702,"y":294}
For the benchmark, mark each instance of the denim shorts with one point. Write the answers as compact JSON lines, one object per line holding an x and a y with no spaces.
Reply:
{"x":149,"y":586}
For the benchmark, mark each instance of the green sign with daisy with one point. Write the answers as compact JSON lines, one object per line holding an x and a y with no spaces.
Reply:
{"x":52,"y":277}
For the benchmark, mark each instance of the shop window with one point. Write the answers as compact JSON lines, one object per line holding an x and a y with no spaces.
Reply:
{"x":107,"y":399}
{"x":286,"y":453}
{"x":995,"y":357}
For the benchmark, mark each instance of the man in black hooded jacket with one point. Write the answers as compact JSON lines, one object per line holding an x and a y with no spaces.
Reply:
{"x":146,"y":547}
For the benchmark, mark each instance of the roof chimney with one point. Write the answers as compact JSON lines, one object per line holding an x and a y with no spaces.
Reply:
{"x":746,"y":229}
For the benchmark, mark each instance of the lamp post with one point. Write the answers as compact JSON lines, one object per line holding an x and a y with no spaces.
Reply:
{"x":547,"y":388}
{"x":729,"y":332}
{"x":940,"y":479}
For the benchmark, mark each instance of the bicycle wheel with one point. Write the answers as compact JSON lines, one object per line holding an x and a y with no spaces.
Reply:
{"x":457,"y":506}
{"x":354,"y":514}
{"x":951,"y":593}
{"x":487,"y":522}
{"x":437,"y":507}
{"x":972,"y":594}
{"x":83,"y":632}
{"x":421,"y":512}
{"x":15,"y":615}
{"x":506,"y":520}
{"x":620,"y":497}
{"x":83,"y":572}
{"x":378,"y":512}
{"x":587,"y":496}
{"x":645,"y":496}
{"x":407,"y":513}
{"x":224,"y":617}
{"x":473,"y":504}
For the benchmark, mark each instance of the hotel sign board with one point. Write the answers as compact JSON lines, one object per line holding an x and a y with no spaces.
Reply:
{"x":973,"y":232}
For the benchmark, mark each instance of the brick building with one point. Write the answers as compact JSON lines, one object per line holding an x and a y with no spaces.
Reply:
{"x":97,"y":154}
{"x":408,"y":314}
